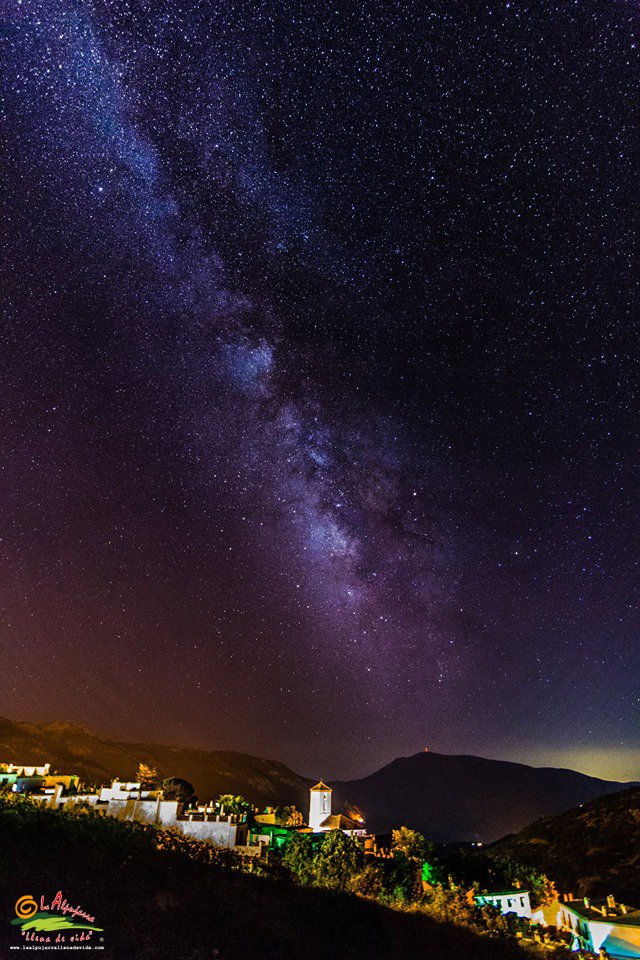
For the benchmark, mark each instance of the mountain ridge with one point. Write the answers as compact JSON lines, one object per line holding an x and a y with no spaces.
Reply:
{"x":449,"y":797}
{"x":97,"y":759}
{"x":477,"y":799}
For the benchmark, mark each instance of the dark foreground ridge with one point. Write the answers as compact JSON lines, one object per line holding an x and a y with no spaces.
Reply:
{"x":158,"y":904}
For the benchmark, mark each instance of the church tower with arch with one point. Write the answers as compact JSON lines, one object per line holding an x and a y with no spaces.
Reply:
{"x":319,"y":805}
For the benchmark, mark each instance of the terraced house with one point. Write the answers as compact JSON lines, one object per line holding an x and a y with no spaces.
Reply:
{"x":602,"y":926}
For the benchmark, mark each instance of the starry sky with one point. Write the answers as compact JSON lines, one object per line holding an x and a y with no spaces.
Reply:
{"x":320,"y":375}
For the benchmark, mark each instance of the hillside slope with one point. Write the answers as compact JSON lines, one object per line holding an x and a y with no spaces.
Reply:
{"x":467,"y":798}
{"x":152,"y":904}
{"x":72,"y":748}
{"x":593,"y":850}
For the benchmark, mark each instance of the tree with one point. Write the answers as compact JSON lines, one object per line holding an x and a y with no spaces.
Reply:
{"x":401,"y":879}
{"x":230,"y":803}
{"x":543,"y":890}
{"x":411,"y":855}
{"x":288,"y":816}
{"x":298,"y":857}
{"x":337,"y":862}
{"x":175,"y":788}
{"x":431,"y":873}
{"x":412,"y":844}
{"x":147,"y":777}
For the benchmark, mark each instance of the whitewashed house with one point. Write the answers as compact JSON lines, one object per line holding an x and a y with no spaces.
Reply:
{"x":507,"y":901}
{"x":597,"y":925}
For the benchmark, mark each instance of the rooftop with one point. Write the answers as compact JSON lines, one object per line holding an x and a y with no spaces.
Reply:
{"x":513,"y":892}
{"x":321,"y":786}
{"x":606,"y":909}
{"x":338,"y":821}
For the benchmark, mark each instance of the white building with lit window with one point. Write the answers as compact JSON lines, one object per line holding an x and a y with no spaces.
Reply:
{"x":507,"y":901}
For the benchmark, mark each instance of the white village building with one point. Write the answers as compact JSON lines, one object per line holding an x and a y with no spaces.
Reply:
{"x":128,"y":801}
{"x":602,"y":925}
{"x":507,"y":901}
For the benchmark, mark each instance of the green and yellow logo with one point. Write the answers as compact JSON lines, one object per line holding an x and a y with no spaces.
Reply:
{"x":35,"y":918}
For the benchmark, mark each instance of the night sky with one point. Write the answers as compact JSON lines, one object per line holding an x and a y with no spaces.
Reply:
{"x":320,"y":377}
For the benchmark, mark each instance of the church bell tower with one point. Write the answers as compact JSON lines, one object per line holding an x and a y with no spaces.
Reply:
{"x":319,"y":805}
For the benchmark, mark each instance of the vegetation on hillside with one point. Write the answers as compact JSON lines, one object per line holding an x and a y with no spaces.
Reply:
{"x":473,"y":867}
{"x":592,"y":850}
{"x":160,"y":896}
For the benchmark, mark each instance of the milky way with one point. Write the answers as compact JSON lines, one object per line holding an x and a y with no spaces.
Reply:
{"x":320,"y":377}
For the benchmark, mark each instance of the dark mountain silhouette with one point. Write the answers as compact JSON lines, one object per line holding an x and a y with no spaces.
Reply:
{"x":446,"y":797}
{"x":590,"y":851}
{"x":74,"y":749}
{"x":466,"y":798}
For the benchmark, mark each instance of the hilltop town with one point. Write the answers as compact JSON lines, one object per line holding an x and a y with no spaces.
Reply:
{"x":330,"y":848}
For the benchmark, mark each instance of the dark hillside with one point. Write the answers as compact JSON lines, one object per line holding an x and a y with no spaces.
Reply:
{"x":156,"y":905}
{"x":593,"y":850}
{"x":74,"y":749}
